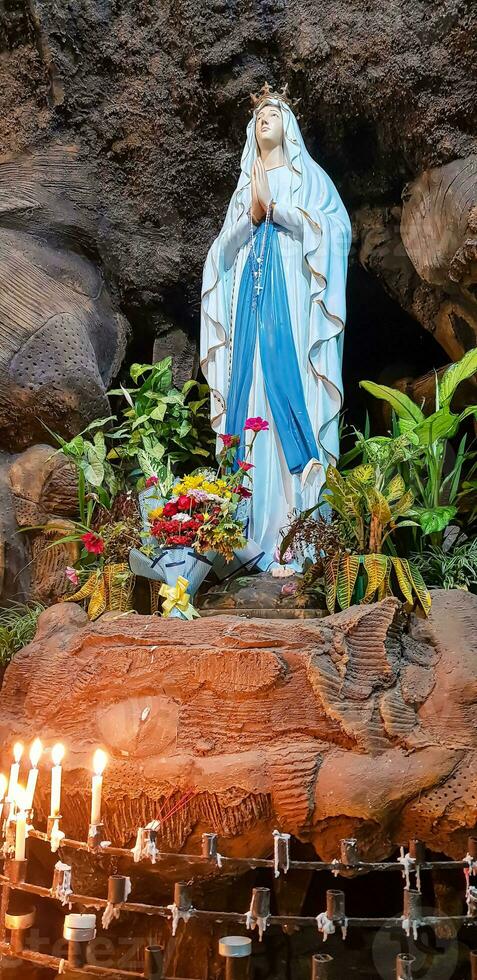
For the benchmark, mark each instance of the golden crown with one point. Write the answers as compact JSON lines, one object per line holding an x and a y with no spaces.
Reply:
{"x":267,"y":93}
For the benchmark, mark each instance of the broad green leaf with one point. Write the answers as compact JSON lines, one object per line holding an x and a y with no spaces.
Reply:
{"x":375,"y":567}
{"x":406,"y":428}
{"x":440,"y":425}
{"x":465,"y":368}
{"x":435,"y":519}
{"x":94,"y":471}
{"x":75,"y":447}
{"x":157,"y":451}
{"x":403,"y":577}
{"x":403,"y":505}
{"x":184,"y":430}
{"x":140,"y":421}
{"x":137,"y":370}
{"x":395,"y":489}
{"x":420,"y":588}
{"x":159,"y":413}
{"x":404,"y":407}
{"x":380,"y":508}
{"x":188,"y":385}
{"x":347,"y":575}
{"x":331,"y":579}
{"x":363,"y":474}
{"x":470,"y":410}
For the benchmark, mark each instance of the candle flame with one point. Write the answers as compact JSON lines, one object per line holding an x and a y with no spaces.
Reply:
{"x":3,"y":785}
{"x":57,"y":754}
{"x":99,"y":762}
{"x":17,"y":751}
{"x":35,"y":753}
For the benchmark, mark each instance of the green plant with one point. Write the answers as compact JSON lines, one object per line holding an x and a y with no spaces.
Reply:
{"x":450,"y":568}
{"x":436,"y":492}
{"x":161,"y":424}
{"x":98,"y":482}
{"x":18,"y":624}
{"x":371,"y":508}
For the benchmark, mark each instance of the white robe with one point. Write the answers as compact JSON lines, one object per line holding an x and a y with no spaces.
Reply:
{"x":314,"y":237}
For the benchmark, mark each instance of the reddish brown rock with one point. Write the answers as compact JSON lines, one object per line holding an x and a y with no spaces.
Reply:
{"x":363,"y":723}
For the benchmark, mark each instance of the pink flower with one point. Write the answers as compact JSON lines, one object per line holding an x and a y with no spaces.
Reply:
{"x":256,"y":425}
{"x":72,"y":575}
{"x":242,"y":491}
{"x":151,"y":481}
{"x":229,"y":441}
{"x":93,"y":543}
{"x":245,"y":466}
{"x":289,"y":588}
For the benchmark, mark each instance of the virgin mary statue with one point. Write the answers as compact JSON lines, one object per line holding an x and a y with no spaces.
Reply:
{"x":273,"y":314}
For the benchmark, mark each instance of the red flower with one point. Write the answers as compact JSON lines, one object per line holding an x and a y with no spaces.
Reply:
{"x":242,"y":491}
{"x":245,"y":466}
{"x":184,"y":503}
{"x":256,"y":425}
{"x":151,"y":481}
{"x":170,"y":509}
{"x":229,"y":441}
{"x":93,"y":543}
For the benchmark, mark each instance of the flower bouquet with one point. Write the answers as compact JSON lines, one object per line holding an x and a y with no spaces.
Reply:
{"x":198,"y":520}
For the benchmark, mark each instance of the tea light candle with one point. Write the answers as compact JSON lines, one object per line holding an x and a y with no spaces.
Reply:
{"x":15,"y":771}
{"x":57,"y":754}
{"x":99,"y":764}
{"x":35,"y":755}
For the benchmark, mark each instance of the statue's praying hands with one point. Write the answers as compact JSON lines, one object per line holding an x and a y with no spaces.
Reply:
{"x":261,"y":194}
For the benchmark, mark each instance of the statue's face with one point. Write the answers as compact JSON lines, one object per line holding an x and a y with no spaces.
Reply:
{"x":269,"y":127}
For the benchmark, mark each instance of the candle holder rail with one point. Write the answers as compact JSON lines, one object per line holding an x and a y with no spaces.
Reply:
{"x":166,"y":911}
{"x":222,"y":861}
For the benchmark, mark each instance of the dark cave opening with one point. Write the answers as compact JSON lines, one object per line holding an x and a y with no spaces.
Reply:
{"x":382,"y":343}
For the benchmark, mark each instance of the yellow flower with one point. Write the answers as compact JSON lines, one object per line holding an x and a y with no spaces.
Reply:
{"x":155,"y":513}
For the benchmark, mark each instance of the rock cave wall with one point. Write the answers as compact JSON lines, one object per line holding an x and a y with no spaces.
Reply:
{"x":155,"y":98}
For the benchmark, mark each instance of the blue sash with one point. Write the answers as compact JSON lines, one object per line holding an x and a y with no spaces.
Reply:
{"x":269,"y":317}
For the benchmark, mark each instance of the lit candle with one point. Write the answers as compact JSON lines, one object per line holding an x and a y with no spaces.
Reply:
{"x":3,"y":786}
{"x":35,"y":755}
{"x":20,"y":821}
{"x":99,"y":764}
{"x":15,"y":771}
{"x":57,"y":754}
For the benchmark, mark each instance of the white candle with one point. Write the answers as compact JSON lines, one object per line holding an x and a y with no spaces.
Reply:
{"x":35,"y":755}
{"x":57,"y":754}
{"x":99,"y":764}
{"x":21,"y":818}
{"x":3,"y":786}
{"x":15,"y":771}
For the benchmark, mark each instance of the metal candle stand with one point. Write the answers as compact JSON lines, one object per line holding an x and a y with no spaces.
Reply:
{"x":79,"y":930}
{"x":153,"y":958}
{"x":335,"y":906}
{"x":321,"y":966}
{"x":350,"y":852}
{"x":417,"y":850}
{"x":473,"y":964}
{"x":18,"y":915}
{"x":404,"y":966}
{"x":95,"y":836}
{"x":237,"y":951}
